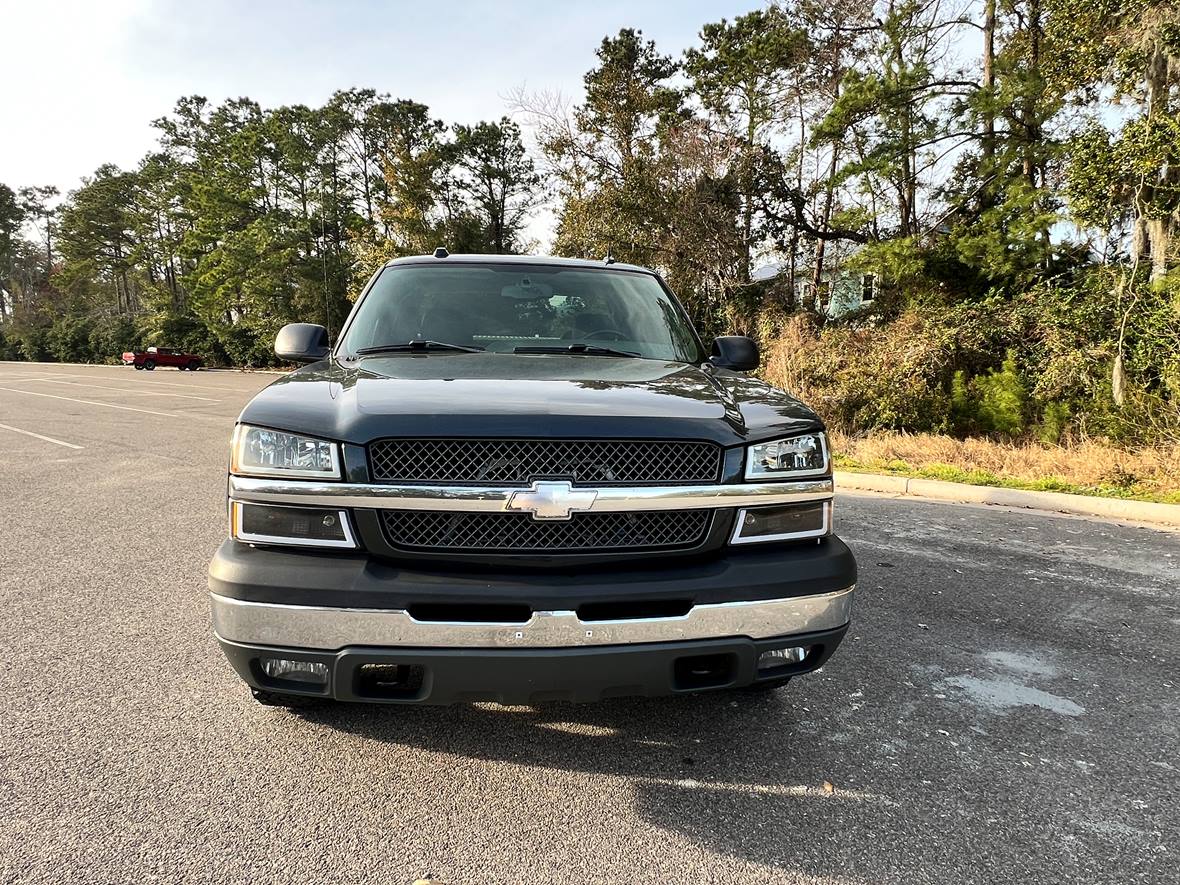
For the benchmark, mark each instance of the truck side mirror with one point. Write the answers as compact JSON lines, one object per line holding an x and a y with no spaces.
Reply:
{"x":735,"y":352}
{"x":301,"y":343}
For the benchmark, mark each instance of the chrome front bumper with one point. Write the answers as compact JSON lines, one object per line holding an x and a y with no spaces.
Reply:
{"x":314,"y":627}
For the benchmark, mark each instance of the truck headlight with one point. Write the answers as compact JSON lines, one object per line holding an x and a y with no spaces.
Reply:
{"x":256,"y":451}
{"x":791,"y":458}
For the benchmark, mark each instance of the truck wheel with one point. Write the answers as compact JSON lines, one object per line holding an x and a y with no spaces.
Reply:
{"x":149,"y":364}
{"x":139,"y":367}
{"x":290,"y":701}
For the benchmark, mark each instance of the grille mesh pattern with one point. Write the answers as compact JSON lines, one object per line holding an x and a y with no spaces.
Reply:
{"x":519,"y":532}
{"x":507,"y":461}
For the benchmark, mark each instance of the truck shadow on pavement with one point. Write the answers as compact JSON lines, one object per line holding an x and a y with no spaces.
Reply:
{"x":968,"y":735}
{"x":756,"y":777}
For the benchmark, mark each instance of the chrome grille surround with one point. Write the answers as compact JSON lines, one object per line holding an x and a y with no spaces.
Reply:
{"x":508,"y":533}
{"x":519,"y":461}
{"x":495,"y":499}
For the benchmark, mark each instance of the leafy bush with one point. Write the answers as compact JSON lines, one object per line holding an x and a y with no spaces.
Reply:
{"x":1039,"y":360}
{"x":31,"y":343}
{"x":1000,"y":399}
{"x":69,"y":339}
{"x":889,"y":376}
{"x":8,"y":350}
{"x":1054,"y":423}
{"x":110,"y":337}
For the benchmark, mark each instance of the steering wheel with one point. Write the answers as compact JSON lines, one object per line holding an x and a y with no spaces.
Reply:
{"x":608,"y":334}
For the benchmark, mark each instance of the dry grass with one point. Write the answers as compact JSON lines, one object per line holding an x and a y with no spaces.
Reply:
{"x":1088,"y":467}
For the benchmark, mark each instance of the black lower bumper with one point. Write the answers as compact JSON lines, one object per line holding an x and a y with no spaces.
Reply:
{"x":357,"y":580}
{"x":525,"y":676}
{"x":385,"y":633}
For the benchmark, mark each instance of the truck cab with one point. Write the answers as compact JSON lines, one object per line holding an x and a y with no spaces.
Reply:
{"x":518,"y":479}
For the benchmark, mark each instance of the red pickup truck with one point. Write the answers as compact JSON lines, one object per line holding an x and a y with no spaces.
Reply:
{"x":162,"y":356}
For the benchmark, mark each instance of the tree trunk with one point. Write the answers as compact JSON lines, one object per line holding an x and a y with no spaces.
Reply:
{"x":989,"y":84}
{"x":747,"y":201}
{"x":817,"y":268}
{"x":1032,"y":129}
{"x":1156,"y":233}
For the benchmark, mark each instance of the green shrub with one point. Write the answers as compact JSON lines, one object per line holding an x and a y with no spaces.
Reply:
{"x":962,"y":404}
{"x":1054,"y":422}
{"x":1001,"y":396}
{"x":110,"y":337}
{"x":8,"y":349}
{"x":933,"y":365}
{"x":891,"y":376}
{"x":69,"y":339}
{"x":32,"y":343}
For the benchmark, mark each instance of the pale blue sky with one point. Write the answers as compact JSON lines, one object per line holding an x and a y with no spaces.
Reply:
{"x":83,"y":79}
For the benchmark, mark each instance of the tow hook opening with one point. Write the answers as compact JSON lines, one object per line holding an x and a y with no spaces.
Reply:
{"x":704,"y":671}
{"x":388,"y":681}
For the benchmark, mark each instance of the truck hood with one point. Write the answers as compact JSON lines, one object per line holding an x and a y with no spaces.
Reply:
{"x":511,"y":395}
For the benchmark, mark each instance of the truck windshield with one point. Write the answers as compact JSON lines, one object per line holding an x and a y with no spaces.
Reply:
{"x":532,"y":308}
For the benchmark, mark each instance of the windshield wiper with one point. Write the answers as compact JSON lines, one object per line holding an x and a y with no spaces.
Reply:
{"x":588,"y":349}
{"x":416,"y":346}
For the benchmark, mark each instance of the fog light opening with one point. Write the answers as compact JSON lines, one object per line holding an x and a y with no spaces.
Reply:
{"x":308,"y":672}
{"x":777,"y":658}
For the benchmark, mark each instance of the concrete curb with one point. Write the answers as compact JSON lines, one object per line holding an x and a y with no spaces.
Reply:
{"x":1058,"y":502}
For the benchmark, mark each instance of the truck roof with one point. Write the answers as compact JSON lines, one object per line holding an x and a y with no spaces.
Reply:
{"x":519,"y":259}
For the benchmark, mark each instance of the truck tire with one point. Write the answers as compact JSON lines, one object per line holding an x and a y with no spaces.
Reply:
{"x":290,"y":701}
{"x":139,"y":367}
{"x":149,"y":365}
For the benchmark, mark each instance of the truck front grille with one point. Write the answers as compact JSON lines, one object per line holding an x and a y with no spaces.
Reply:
{"x":429,"y":530}
{"x":511,"y":461}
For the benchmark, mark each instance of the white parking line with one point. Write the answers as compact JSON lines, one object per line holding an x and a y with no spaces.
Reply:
{"x":90,"y":402}
{"x":50,"y":439}
{"x":139,"y":379}
{"x":194,"y":385}
{"x":8,"y":379}
{"x":207,"y":399}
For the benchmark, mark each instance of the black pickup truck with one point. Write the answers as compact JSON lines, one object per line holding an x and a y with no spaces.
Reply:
{"x":518,"y":479}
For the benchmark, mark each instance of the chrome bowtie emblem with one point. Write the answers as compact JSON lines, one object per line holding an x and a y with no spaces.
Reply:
{"x":551,"y":500}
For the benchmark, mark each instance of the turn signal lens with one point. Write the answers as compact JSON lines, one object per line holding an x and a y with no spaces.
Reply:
{"x":298,"y":526}
{"x":782,"y":523}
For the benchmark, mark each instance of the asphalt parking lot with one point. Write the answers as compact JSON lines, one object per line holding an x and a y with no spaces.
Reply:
{"x":1006,"y":706}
